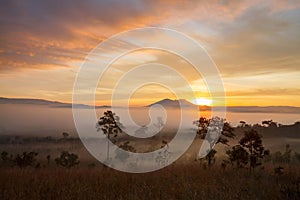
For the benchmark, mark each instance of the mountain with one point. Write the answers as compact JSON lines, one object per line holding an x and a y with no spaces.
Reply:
{"x":237,"y":109}
{"x":174,"y":103}
{"x":30,"y":101}
{"x":264,"y":109}
{"x":43,"y":102}
{"x":165,"y":102}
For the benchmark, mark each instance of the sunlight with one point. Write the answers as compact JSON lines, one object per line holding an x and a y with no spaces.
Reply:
{"x":202,"y":101}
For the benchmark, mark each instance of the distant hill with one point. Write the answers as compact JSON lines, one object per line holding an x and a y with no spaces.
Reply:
{"x":168,"y":103}
{"x":30,"y":101}
{"x":264,"y":109}
{"x":238,"y":109}
{"x":56,"y":104}
{"x":174,"y":103}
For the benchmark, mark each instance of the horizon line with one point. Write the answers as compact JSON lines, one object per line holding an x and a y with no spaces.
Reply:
{"x":136,"y":106}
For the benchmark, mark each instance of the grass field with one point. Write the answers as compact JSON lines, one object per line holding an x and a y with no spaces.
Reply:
{"x":186,"y":179}
{"x":174,"y":182}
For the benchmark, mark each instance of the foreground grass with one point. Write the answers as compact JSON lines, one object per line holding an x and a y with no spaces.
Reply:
{"x":174,"y":182}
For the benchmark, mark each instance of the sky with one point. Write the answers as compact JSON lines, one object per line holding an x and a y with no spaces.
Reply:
{"x":255,"y":45}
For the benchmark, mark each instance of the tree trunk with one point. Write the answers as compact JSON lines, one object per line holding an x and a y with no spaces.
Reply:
{"x":209,"y":161}
{"x":107,"y":157}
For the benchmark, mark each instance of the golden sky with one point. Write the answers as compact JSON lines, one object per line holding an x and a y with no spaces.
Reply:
{"x":255,"y":44}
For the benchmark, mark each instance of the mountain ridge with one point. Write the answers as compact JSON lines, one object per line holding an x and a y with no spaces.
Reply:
{"x":168,"y":103}
{"x":173,"y":103}
{"x":57,"y":104}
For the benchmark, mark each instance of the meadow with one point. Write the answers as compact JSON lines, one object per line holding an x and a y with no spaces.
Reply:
{"x":43,"y":177}
{"x":174,"y":182}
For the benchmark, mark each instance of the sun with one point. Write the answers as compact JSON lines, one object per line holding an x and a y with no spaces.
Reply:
{"x":202,"y":101}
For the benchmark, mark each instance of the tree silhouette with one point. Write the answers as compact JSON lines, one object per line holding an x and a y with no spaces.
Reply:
{"x":48,"y":159}
{"x":25,"y":159}
{"x":123,"y":155}
{"x":243,"y":124}
{"x":4,"y":156}
{"x":269,"y":123}
{"x":65,"y":135}
{"x":252,"y":141}
{"x":285,"y":157}
{"x":6,"y":159}
{"x":238,"y":155}
{"x":210,"y":157}
{"x":297,"y":156}
{"x":67,"y":159}
{"x":109,"y":124}
{"x":287,"y":154}
{"x":204,"y":124}
{"x":278,"y":170}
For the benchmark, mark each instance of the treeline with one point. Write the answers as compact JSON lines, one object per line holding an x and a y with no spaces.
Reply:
{"x":29,"y":159}
{"x":16,"y":139}
{"x":249,"y":152}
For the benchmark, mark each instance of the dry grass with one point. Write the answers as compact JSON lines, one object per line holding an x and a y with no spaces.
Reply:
{"x":173,"y":182}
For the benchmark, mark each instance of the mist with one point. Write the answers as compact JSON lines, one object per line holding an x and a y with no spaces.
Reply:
{"x":43,"y":120}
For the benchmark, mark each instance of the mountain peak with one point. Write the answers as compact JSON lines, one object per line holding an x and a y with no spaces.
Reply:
{"x":174,"y":103}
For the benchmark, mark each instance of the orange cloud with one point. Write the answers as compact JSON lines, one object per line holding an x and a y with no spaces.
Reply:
{"x":245,"y":38}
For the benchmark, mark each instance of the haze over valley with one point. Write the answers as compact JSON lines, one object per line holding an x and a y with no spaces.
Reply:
{"x":43,"y":118}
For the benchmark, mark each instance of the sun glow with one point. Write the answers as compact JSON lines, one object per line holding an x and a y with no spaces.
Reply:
{"x":202,"y":101}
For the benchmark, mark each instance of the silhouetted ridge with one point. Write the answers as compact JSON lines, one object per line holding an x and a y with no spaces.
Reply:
{"x":174,"y":103}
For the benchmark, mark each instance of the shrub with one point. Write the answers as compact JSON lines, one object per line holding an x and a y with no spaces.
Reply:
{"x":67,"y":159}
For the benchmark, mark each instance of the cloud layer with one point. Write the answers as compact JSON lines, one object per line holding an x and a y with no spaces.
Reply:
{"x":245,"y":38}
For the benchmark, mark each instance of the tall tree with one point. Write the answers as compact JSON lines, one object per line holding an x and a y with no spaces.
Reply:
{"x":204,"y":124}
{"x":110,"y":125}
{"x":252,"y":141}
{"x":238,"y":155}
{"x":210,"y":157}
